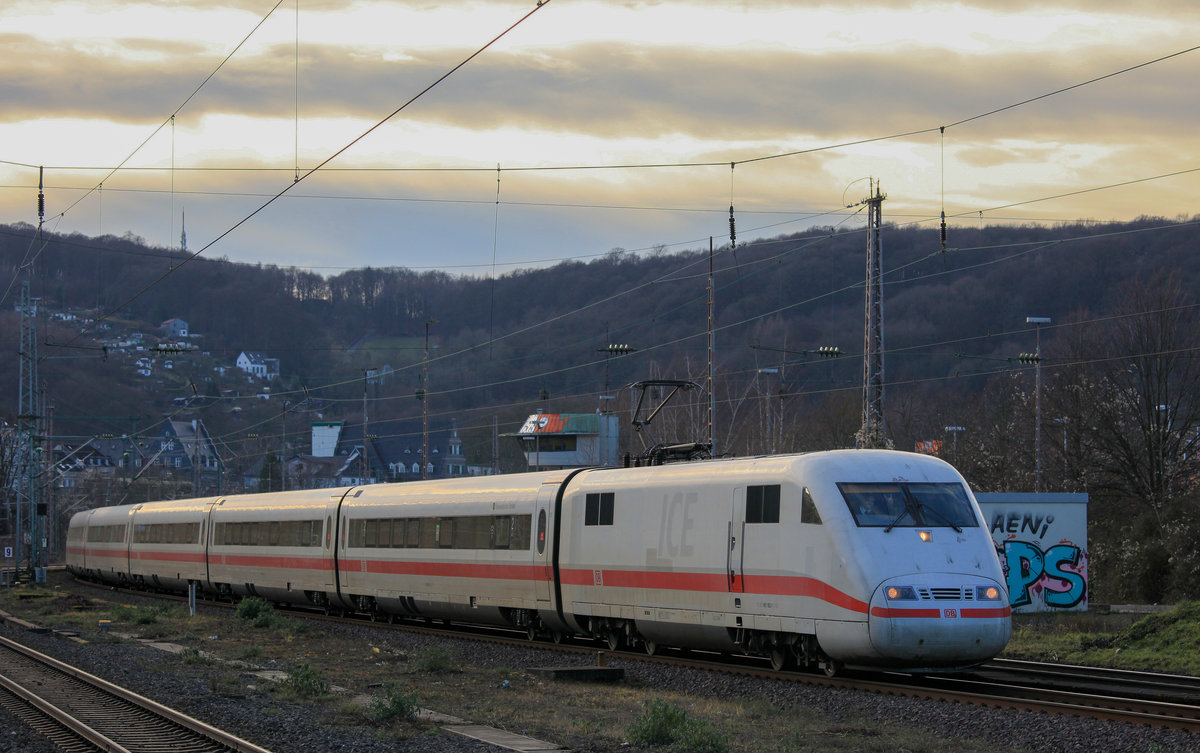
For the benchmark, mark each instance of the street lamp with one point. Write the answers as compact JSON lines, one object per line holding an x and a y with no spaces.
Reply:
{"x":425,"y":404}
{"x":1037,"y":322}
{"x":955,"y":431}
{"x":770,"y":429}
{"x":1064,"y":421}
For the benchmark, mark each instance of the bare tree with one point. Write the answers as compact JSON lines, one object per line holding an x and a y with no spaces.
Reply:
{"x":1131,"y":399}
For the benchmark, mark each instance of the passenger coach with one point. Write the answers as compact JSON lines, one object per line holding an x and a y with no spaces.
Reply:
{"x":865,"y":557}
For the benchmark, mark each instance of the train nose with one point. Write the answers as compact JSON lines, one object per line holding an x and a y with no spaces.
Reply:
{"x":926,"y":622}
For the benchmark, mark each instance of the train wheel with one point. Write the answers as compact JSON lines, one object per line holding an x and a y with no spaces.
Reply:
{"x":651,"y":647}
{"x":613,"y":639}
{"x":781,"y":658}
{"x":833,"y":667}
{"x":531,"y":632}
{"x":557,"y":636}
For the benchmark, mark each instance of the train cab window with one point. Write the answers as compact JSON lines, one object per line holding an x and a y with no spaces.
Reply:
{"x":903,"y":505}
{"x":808,"y":509}
{"x":598,"y":509}
{"x":762,"y":504}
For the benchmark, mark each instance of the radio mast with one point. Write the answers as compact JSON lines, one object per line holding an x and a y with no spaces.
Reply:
{"x":873,"y":433}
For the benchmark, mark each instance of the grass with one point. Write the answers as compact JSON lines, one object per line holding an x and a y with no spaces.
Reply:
{"x":1165,"y":642}
{"x":592,"y":718}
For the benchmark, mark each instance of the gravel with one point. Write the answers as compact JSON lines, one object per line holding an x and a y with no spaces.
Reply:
{"x":295,"y":728}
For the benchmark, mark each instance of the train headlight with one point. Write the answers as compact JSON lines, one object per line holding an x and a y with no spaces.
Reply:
{"x":925,"y":536}
{"x":987,"y":593}
{"x":901,"y":593}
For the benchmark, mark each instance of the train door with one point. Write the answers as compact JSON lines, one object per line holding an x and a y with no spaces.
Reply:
{"x":543,"y":557}
{"x":333,"y":526}
{"x":735,"y":549}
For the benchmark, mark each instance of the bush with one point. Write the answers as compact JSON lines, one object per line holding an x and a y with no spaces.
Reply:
{"x":193,"y":655}
{"x":393,"y":705}
{"x":303,"y":680}
{"x":434,"y":659}
{"x":258,"y":612}
{"x":140,"y":615}
{"x":664,"y":725}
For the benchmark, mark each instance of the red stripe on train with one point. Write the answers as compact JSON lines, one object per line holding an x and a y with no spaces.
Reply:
{"x":773,"y":585}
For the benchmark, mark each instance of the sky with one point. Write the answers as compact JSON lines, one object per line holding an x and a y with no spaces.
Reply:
{"x":587,"y":127}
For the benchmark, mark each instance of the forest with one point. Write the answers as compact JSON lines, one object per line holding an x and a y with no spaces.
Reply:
{"x":1116,"y":362}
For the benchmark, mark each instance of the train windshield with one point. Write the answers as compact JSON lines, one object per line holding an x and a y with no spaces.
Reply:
{"x":902,"y":505}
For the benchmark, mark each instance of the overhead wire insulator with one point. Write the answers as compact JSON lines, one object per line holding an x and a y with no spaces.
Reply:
{"x":732,"y":229}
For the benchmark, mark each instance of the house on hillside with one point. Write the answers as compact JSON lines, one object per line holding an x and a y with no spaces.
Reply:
{"x":175,"y":329}
{"x":394,"y":451}
{"x":186,"y":446}
{"x":256,"y":364}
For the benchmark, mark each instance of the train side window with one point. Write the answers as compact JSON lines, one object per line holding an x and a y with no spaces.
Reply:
{"x":502,"y":532}
{"x":808,"y":509}
{"x":273,"y":534}
{"x":598,"y":509}
{"x":762,"y":504}
{"x":372,"y":535}
{"x":520,"y":532}
{"x":429,"y":533}
{"x":397,"y":533}
{"x":412,"y":533}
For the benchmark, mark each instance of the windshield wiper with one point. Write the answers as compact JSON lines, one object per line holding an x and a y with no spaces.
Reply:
{"x":924,"y":508}
{"x":899,"y":518}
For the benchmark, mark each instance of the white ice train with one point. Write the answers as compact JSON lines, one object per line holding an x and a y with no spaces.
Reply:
{"x":857,"y":557}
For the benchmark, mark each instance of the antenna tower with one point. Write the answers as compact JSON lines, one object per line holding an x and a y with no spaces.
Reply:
{"x":873,"y":433}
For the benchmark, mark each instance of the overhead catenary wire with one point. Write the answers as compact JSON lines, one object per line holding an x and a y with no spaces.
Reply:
{"x":960,"y":121}
{"x":541,"y":4}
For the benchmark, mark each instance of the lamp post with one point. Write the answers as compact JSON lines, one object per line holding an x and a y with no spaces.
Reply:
{"x":1064,"y":421}
{"x":955,"y":431}
{"x":425,"y":403}
{"x":1037,"y":322}
{"x":770,"y":428}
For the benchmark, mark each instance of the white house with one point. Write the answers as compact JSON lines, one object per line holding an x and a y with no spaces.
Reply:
{"x":256,"y":364}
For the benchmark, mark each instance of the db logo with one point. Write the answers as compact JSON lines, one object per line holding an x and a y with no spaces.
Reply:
{"x":950,"y":614}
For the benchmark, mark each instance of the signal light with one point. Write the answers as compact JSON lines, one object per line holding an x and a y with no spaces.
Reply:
{"x":1028,"y":358}
{"x":829,"y":351}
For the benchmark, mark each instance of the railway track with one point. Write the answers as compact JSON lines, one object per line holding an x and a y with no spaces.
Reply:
{"x":1145,"y":698}
{"x":1168,"y":701}
{"x":81,"y":712}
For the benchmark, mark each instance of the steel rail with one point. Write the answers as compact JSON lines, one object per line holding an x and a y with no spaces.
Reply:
{"x":1114,"y":701}
{"x":138,"y":712}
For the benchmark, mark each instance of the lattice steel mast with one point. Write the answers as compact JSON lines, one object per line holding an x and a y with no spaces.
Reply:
{"x":873,"y":433}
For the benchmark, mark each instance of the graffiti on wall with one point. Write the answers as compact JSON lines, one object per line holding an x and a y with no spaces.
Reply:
{"x":1042,"y":546}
